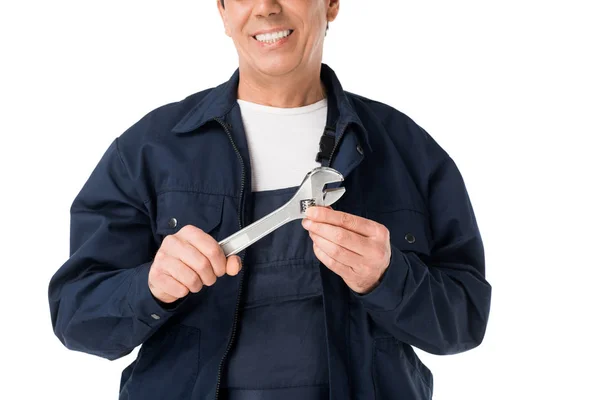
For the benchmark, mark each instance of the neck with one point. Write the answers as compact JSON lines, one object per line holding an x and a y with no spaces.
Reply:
{"x":295,"y":89}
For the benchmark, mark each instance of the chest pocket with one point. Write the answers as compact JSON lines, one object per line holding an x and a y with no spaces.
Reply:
{"x":409,"y":229}
{"x":176,"y":209}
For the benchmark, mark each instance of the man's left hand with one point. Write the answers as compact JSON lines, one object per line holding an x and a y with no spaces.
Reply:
{"x":355,"y":248}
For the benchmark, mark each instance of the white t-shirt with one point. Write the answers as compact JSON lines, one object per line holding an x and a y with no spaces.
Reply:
{"x":283,"y":142}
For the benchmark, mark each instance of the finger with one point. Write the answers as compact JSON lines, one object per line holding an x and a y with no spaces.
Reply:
{"x":351,"y":222}
{"x":172,"y":288}
{"x":349,"y":240}
{"x":156,"y":287}
{"x":234,"y":265}
{"x":164,"y":282}
{"x":208,"y":246}
{"x":337,"y":252}
{"x":183,"y":274}
{"x":337,"y":267}
{"x":191,"y":256}
{"x":166,"y":298}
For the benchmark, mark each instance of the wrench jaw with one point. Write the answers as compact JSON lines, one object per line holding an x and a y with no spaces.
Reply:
{"x":312,"y":192}
{"x":321,"y":176}
{"x":322,"y":196}
{"x":332,"y":195}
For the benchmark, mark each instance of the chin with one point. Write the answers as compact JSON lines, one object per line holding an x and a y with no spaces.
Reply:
{"x":277,"y":67}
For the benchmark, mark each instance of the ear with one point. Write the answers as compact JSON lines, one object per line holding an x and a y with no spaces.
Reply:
{"x":223,"y":17}
{"x":333,"y":8}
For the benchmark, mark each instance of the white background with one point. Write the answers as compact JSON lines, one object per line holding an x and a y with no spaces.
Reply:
{"x":510,"y":89}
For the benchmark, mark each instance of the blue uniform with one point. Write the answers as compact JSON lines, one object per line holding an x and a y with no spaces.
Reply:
{"x":285,"y":326}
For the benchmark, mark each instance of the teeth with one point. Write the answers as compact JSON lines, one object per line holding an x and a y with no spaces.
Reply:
{"x":272,"y":37}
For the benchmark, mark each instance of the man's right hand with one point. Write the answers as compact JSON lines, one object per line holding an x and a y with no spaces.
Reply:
{"x":186,"y":261}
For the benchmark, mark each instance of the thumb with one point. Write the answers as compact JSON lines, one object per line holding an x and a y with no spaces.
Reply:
{"x":234,"y":265}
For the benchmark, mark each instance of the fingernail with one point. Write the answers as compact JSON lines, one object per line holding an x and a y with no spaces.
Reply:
{"x":306,"y":222}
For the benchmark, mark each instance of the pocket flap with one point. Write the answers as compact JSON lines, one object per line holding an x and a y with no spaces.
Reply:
{"x":409,"y":229}
{"x":176,"y":209}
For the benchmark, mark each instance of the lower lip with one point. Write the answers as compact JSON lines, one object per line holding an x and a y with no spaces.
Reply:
{"x":275,"y":45}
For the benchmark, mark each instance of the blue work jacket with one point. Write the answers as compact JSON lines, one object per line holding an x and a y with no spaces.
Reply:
{"x":188,"y":163}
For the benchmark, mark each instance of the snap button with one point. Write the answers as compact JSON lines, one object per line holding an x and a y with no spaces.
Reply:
{"x":410,"y":238}
{"x":359,"y":149}
{"x":172,"y":222}
{"x":155,"y":316}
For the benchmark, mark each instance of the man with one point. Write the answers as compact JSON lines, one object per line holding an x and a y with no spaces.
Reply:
{"x":326,"y":310}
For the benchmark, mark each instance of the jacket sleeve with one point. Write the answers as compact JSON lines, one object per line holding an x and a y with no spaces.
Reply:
{"x":438,"y":303}
{"x":100,"y":301}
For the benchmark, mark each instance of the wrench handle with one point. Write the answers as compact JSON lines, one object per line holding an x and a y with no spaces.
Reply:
{"x":257,"y":230}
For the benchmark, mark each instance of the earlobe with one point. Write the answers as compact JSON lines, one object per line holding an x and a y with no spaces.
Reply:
{"x":332,"y":11}
{"x":225,"y":25}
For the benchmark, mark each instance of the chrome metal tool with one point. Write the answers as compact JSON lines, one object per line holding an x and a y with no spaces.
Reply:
{"x":310,"y":193}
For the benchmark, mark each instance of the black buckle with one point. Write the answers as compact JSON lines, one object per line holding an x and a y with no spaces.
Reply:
{"x":326,"y":145}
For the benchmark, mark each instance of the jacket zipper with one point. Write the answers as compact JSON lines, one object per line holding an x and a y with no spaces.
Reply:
{"x":241,"y":210}
{"x":336,"y":144}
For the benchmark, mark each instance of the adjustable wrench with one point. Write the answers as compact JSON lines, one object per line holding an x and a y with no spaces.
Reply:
{"x":310,"y":193}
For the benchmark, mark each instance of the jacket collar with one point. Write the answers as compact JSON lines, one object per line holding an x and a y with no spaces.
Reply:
{"x":221,"y":99}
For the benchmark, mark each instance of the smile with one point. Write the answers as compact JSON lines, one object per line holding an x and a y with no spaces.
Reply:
{"x":273,"y":37}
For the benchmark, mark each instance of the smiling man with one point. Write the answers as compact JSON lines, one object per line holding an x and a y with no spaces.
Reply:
{"x":327,"y":308}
